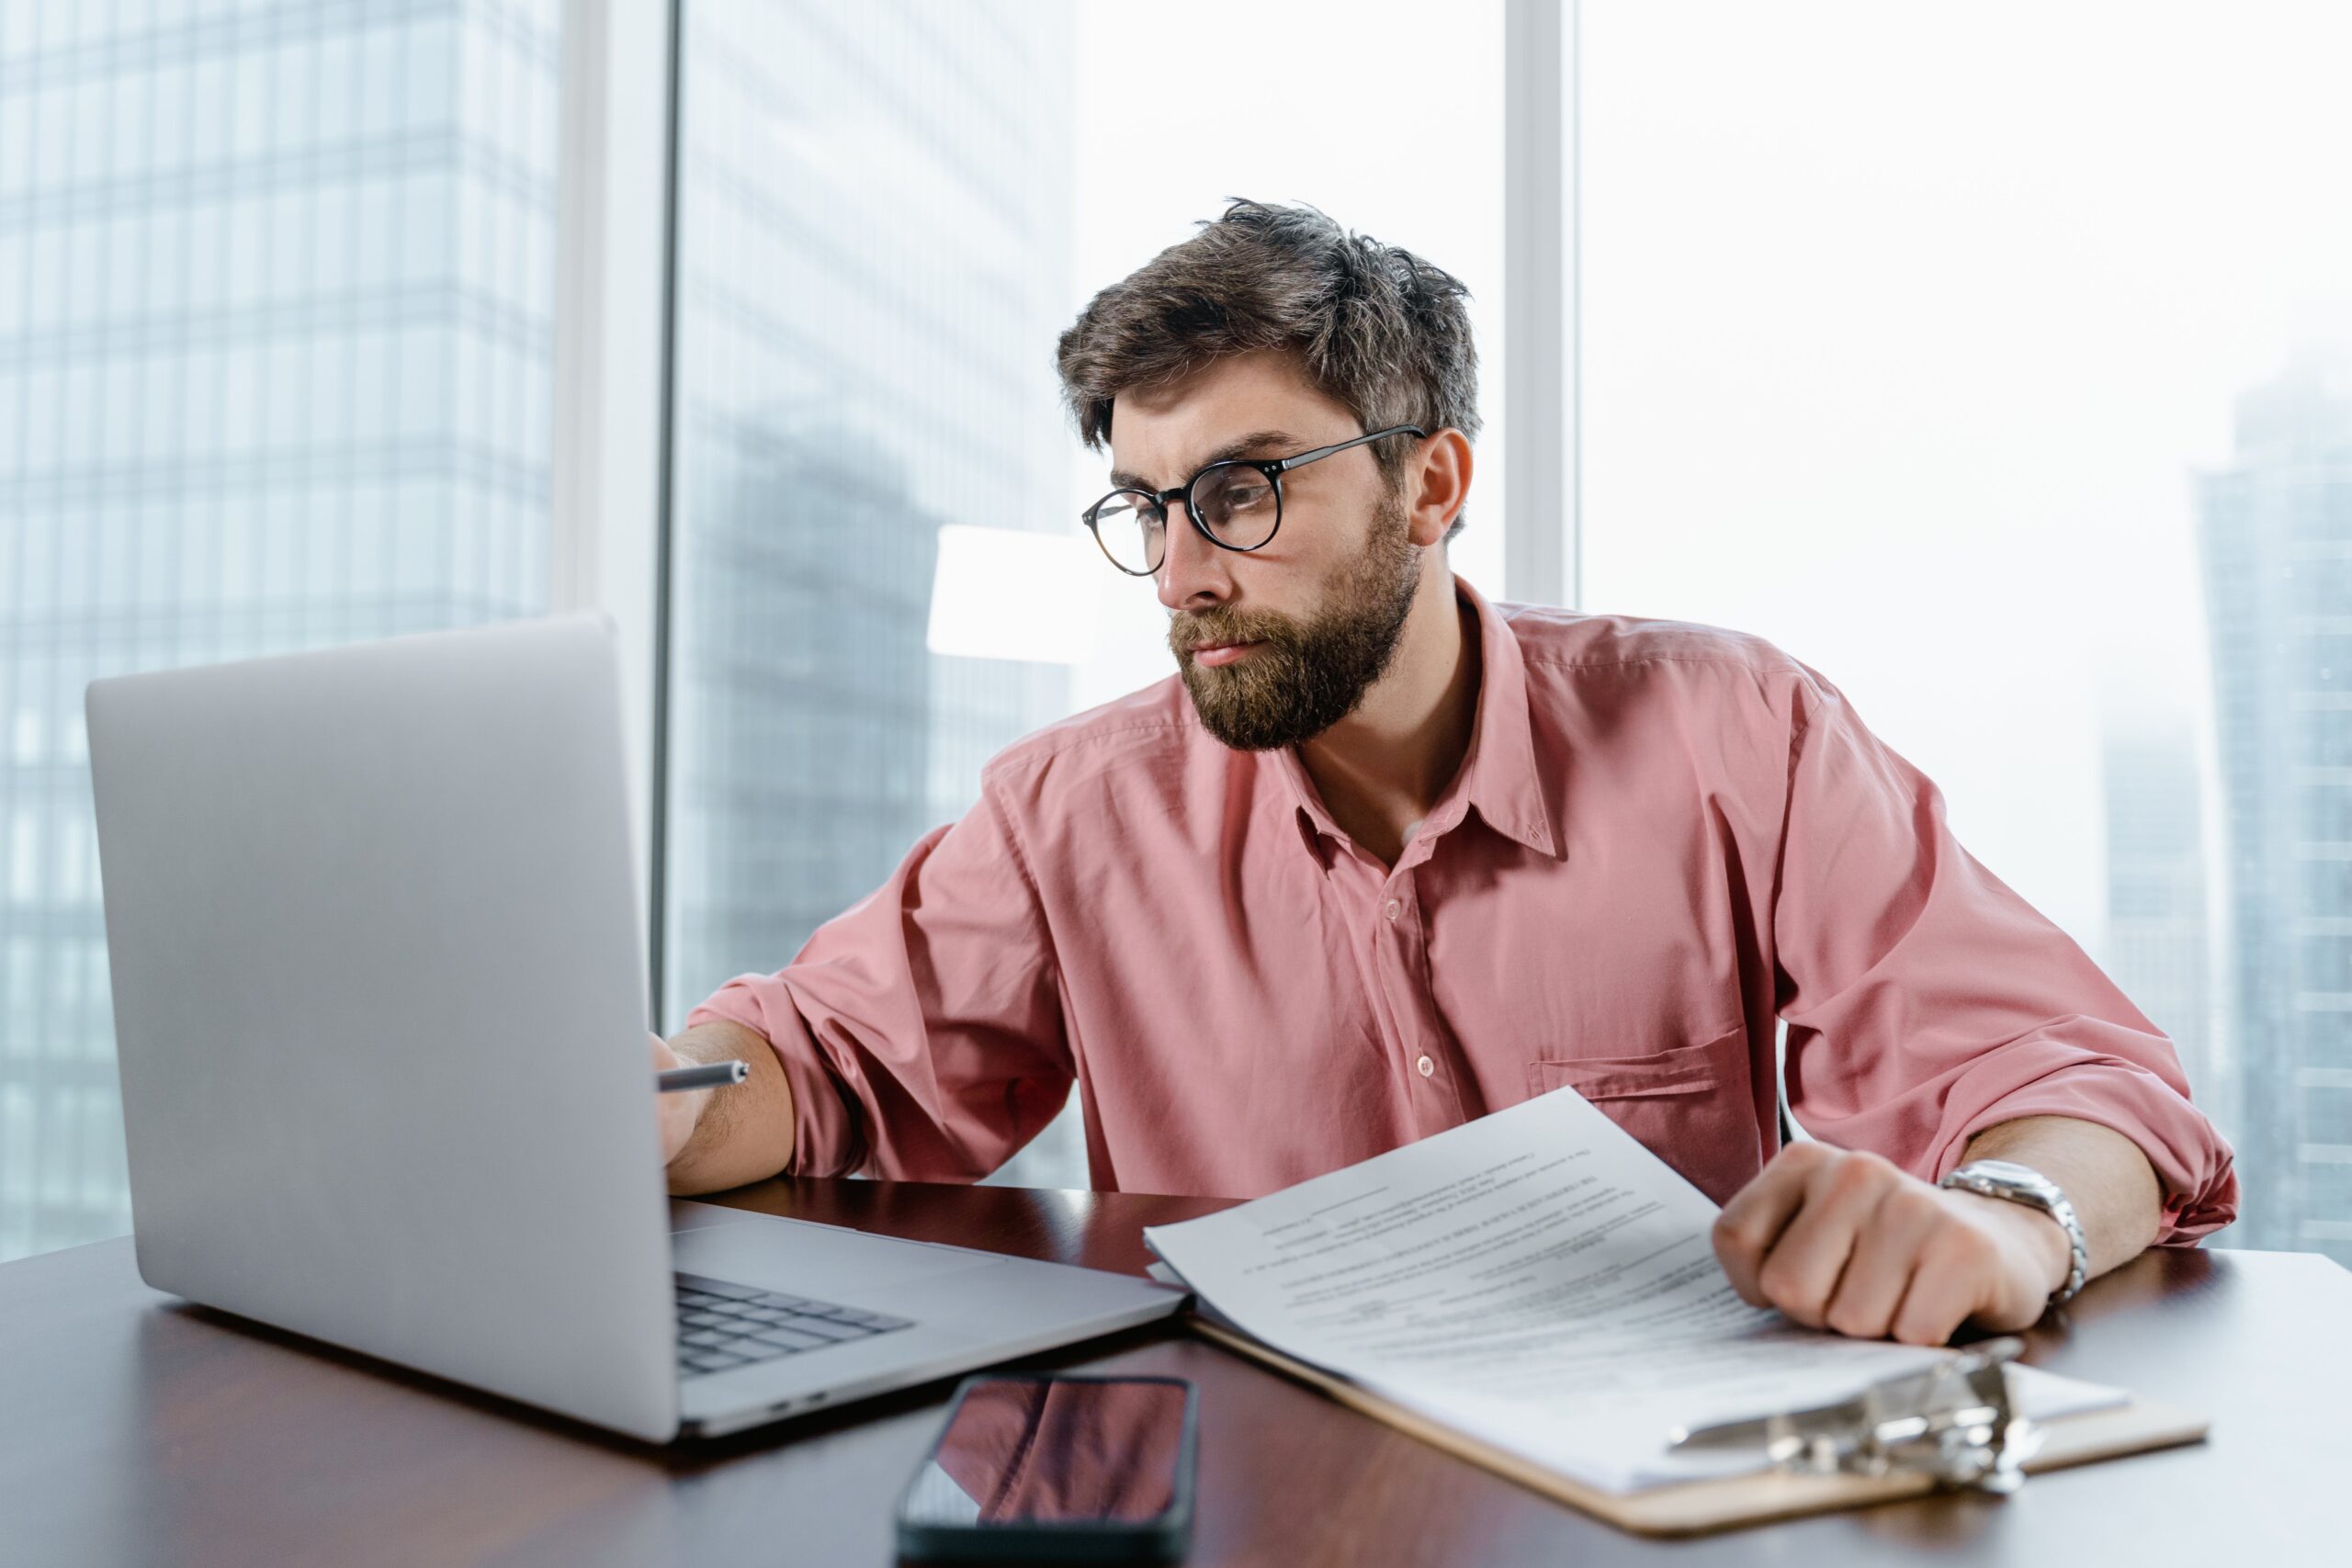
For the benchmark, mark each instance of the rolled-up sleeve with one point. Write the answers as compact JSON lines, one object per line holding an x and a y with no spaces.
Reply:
{"x":921,"y":1031}
{"x":1926,"y":1001}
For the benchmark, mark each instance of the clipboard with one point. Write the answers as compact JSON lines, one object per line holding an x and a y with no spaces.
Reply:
{"x":1700,"y":1507}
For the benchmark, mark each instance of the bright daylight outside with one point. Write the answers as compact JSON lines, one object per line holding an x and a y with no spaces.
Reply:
{"x":1995,"y":361}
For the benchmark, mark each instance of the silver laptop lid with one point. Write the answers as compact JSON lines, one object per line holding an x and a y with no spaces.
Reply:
{"x":371,"y":922}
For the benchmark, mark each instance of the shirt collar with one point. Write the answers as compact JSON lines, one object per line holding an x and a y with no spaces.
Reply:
{"x":1505,"y":784}
{"x":1498,"y":773}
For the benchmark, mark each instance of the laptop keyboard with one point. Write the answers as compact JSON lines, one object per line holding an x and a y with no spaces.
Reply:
{"x":723,"y":1325}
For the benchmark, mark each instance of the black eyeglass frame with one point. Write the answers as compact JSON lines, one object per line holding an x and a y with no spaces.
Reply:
{"x":1272,"y":468}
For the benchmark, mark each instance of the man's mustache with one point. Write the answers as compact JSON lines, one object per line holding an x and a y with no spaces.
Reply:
{"x":1190,"y":628}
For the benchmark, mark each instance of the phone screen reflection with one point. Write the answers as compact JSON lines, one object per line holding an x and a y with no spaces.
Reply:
{"x":1023,"y":1451}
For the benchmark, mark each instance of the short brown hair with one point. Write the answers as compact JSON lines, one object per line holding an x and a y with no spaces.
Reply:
{"x":1377,"y":328}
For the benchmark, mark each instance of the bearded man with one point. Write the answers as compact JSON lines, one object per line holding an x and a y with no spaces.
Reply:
{"x":1383,"y":857}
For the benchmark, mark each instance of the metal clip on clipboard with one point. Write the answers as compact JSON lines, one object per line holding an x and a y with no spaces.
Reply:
{"x":1954,"y":1422}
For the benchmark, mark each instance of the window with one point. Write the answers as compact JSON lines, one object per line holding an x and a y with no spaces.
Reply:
{"x":1984,"y":360}
{"x":886,"y":215}
{"x":2007,"y":406}
{"x":145,"y":340}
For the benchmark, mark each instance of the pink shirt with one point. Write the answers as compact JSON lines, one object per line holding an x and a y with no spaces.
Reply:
{"x":1663,"y":837}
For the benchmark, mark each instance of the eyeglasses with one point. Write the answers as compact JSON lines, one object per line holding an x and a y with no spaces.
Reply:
{"x":1237,"y":504}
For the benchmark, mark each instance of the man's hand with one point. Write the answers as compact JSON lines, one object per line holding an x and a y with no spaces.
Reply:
{"x":1844,"y":1240}
{"x":716,"y":1139}
{"x":681,"y":1111}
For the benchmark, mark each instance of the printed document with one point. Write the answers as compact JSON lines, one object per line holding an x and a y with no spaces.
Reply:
{"x":1539,"y":1281}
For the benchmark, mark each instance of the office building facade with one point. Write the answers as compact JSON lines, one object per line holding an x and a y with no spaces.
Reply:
{"x":875,"y":208}
{"x":2276,"y":534}
{"x":275,"y":303}
{"x":2157,"y":929}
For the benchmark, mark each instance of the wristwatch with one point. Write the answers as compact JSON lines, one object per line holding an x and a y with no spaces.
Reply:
{"x":2023,"y":1184}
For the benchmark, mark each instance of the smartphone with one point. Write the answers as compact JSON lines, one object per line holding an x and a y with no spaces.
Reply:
{"x":1044,"y":1468}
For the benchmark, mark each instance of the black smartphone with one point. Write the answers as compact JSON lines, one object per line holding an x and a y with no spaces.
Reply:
{"x":1043,"y":1467}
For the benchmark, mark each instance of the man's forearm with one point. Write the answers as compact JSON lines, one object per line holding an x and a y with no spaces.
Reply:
{"x":2114,"y":1190}
{"x":746,"y":1132}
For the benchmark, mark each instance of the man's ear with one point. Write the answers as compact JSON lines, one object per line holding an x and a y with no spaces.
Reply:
{"x":1436,"y":486}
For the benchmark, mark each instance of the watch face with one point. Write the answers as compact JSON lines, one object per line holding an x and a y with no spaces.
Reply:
{"x":2023,"y":1184}
{"x":2007,"y":1178}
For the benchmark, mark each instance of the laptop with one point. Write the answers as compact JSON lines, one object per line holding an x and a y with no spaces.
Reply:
{"x":373,"y":927}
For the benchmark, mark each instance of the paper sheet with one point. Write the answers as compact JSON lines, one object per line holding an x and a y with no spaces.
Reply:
{"x":1537,"y":1279}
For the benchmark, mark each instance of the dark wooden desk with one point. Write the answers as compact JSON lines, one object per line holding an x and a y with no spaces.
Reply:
{"x":137,"y":1429}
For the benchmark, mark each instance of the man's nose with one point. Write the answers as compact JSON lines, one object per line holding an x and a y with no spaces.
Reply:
{"x":1193,"y":573}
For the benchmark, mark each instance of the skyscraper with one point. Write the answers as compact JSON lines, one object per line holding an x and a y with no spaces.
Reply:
{"x":875,"y":208}
{"x":274,"y":301}
{"x":2277,"y":540}
{"x":2156,"y":926}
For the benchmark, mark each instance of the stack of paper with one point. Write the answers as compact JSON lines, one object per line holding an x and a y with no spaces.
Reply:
{"x":1540,"y":1282}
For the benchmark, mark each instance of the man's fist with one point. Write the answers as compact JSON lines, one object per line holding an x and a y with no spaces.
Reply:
{"x":679,"y":1112}
{"x":1844,"y":1240}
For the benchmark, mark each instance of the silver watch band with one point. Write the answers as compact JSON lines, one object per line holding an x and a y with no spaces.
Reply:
{"x":2023,"y":1184}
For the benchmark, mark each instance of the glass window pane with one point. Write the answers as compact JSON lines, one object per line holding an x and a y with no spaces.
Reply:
{"x":12,"y":403}
{"x":52,"y":109}
{"x":173,"y":106}
{"x":430,"y":83}
{"x":887,"y":216}
{"x":88,"y":154}
{"x":2032,"y":430}
{"x":16,"y":281}
{"x":425,"y":226}
{"x":338,"y":88}
{"x":252,"y":93}
{"x":295,"y":70}
{"x":380,"y":78}
{"x":216,"y":472}
{"x":16,"y":143}
{"x":210,"y":114}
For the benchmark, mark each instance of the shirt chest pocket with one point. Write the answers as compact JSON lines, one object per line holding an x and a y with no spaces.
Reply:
{"x":1690,"y":1105}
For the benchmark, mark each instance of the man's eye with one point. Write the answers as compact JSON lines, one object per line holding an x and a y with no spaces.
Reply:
{"x":1243,"y":496}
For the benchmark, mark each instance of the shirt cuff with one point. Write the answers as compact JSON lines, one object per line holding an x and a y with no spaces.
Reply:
{"x":2195,"y":1168}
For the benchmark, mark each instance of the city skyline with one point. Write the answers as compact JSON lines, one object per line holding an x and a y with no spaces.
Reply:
{"x":2275,"y":533}
{"x":274,"y":315}
{"x":2159,"y":925}
{"x":274,"y":372}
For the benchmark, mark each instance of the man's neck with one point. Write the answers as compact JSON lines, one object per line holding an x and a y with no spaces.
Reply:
{"x":1383,"y":767}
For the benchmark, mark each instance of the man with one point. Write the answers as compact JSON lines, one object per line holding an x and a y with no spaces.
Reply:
{"x":1385,"y":857}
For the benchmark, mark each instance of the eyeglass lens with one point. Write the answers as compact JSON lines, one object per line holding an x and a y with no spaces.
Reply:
{"x":1237,"y":502}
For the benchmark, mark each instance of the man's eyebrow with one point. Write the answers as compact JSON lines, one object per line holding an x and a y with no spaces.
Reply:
{"x":1256,"y":442}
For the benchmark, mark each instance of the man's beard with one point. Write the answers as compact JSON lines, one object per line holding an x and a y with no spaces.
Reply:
{"x":1303,"y":679}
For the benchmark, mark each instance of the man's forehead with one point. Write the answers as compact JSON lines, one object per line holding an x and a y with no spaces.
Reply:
{"x":1261,"y":442}
{"x":1244,"y":406}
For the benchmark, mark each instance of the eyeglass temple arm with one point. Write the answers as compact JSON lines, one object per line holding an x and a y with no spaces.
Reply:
{"x":1300,"y":459}
{"x":1284,"y":464}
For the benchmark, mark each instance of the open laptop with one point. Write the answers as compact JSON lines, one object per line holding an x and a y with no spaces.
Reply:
{"x":373,"y":928}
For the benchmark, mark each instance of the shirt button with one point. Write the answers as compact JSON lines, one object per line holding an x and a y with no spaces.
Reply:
{"x":1426,"y":1066}
{"x":1392,"y":909}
